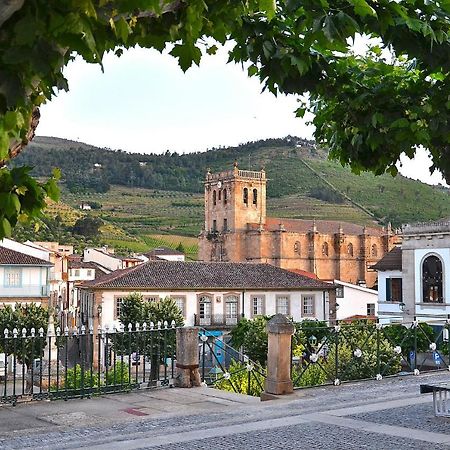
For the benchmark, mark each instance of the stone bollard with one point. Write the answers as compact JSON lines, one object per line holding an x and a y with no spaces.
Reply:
{"x":187,"y":373}
{"x":278,"y":381}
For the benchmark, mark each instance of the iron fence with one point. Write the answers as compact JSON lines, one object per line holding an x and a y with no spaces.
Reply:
{"x":358,"y":351}
{"x":78,"y":363}
{"x":227,"y":368}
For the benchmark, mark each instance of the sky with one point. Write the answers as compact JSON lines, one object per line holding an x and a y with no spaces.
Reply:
{"x":143,"y":102}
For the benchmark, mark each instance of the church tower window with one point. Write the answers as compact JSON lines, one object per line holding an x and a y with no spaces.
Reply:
{"x":220,"y":194}
{"x":255,"y":196}
{"x":246,"y":196}
{"x":350,"y":249}
{"x":214,"y":198}
{"x":297,"y":248}
{"x":325,"y":249}
{"x":225,"y":196}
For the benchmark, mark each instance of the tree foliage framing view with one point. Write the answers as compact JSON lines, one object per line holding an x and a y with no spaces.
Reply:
{"x":367,"y":109}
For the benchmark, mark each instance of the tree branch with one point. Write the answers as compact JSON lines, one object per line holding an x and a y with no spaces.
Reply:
{"x":8,"y":8}
{"x":17,"y":147}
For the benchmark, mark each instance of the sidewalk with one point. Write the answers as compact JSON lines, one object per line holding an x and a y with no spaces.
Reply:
{"x":388,"y":414}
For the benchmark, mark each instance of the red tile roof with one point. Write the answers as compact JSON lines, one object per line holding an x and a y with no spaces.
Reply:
{"x":205,"y":275}
{"x":11,"y":257}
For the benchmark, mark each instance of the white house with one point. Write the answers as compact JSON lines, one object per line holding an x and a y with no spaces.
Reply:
{"x":414,"y":280}
{"x":213,"y":295}
{"x":169,"y":254}
{"x":109,"y":260}
{"x":23,"y":278}
{"x":355,"y":302}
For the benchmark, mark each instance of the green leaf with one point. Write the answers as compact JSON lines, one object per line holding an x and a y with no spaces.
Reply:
{"x":186,"y":54}
{"x":4,"y":144}
{"x":122,"y":29}
{"x":362,"y":8}
{"x":400,"y":123}
{"x":269,"y":7}
{"x":5,"y":228}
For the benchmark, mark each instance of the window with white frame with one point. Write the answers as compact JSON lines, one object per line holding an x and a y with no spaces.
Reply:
{"x":118,"y":306}
{"x":307,"y":305}
{"x":283,"y":305}
{"x":77,"y":272}
{"x":180,"y":302}
{"x":151,"y":298}
{"x":231,"y":308}
{"x":89,"y":272}
{"x":13,"y":277}
{"x":257,"y":306}
{"x":370,"y":309}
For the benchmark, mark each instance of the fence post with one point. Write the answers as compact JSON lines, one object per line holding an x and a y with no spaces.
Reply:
{"x":187,"y":373}
{"x":278,"y":382}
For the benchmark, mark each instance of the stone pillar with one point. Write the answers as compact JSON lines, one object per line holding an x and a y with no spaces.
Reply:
{"x":187,"y":373}
{"x":280,"y":330}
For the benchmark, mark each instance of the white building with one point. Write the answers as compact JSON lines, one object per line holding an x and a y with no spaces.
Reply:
{"x":109,"y":260}
{"x":23,"y":278}
{"x":414,"y":280}
{"x":213,"y":295}
{"x":355,"y":302}
{"x":169,"y":254}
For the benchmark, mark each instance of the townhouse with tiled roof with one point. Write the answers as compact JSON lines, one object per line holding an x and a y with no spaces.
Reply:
{"x":209,"y":294}
{"x":23,"y":277}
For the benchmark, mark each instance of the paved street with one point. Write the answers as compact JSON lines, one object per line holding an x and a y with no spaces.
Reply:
{"x":390,"y":414}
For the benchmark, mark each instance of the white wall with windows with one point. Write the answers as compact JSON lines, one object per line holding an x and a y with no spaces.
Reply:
{"x":354,"y":300}
{"x":23,"y":281}
{"x":226,"y":307}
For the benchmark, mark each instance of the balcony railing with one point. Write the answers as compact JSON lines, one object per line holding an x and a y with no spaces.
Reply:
{"x":221,"y":320}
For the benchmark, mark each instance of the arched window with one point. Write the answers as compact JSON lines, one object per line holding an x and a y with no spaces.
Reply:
{"x":325,"y":249}
{"x":231,"y":309}
{"x":255,"y":196}
{"x":225,"y":196}
{"x":350,"y":249}
{"x":220,"y":194}
{"x":297,"y":248}
{"x":204,"y":310}
{"x":432,"y":280}
{"x":214,"y":198}
{"x":374,"y":250}
{"x":246,"y":196}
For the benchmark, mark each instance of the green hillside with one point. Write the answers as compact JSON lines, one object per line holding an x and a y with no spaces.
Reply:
{"x":147,"y":195}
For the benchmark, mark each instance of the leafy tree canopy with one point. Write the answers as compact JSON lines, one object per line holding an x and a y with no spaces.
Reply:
{"x":368,"y":109}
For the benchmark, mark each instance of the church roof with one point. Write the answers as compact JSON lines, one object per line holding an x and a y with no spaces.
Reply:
{"x":390,"y":261}
{"x":205,"y":275}
{"x":322,"y":226}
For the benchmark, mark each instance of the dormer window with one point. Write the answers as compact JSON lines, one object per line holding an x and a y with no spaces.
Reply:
{"x":245,"y":196}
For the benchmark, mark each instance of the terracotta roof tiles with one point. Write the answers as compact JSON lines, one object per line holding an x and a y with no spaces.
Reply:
{"x":203,"y":275}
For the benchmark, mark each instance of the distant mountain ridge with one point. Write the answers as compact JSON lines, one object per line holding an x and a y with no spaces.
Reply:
{"x":303,"y":183}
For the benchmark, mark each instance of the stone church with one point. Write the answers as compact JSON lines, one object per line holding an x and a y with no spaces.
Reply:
{"x":237,"y":228}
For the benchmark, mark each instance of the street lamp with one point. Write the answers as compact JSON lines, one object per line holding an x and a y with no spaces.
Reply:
{"x":312,"y":340}
{"x":402,"y":307}
{"x":99,"y":311}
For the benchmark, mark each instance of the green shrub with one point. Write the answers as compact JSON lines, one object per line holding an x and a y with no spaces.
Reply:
{"x":239,"y":380}
{"x":119,"y":374}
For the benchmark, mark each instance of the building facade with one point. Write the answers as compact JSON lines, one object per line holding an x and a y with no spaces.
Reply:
{"x":236,"y":228}
{"x":23,"y":278}
{"x":211,"y":295}
{"x":414,"y":280}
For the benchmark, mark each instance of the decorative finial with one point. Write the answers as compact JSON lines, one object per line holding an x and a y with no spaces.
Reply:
{"x":235,"y":164}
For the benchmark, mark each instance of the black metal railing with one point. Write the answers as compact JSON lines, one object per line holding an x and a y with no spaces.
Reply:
{"x":218,"y":320}
{"x":357,"y":351}
{"x":226,"y":368}
{"x":78,"y":363}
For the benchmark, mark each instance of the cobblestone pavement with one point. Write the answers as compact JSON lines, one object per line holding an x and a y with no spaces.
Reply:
{"x":389,"y":414}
